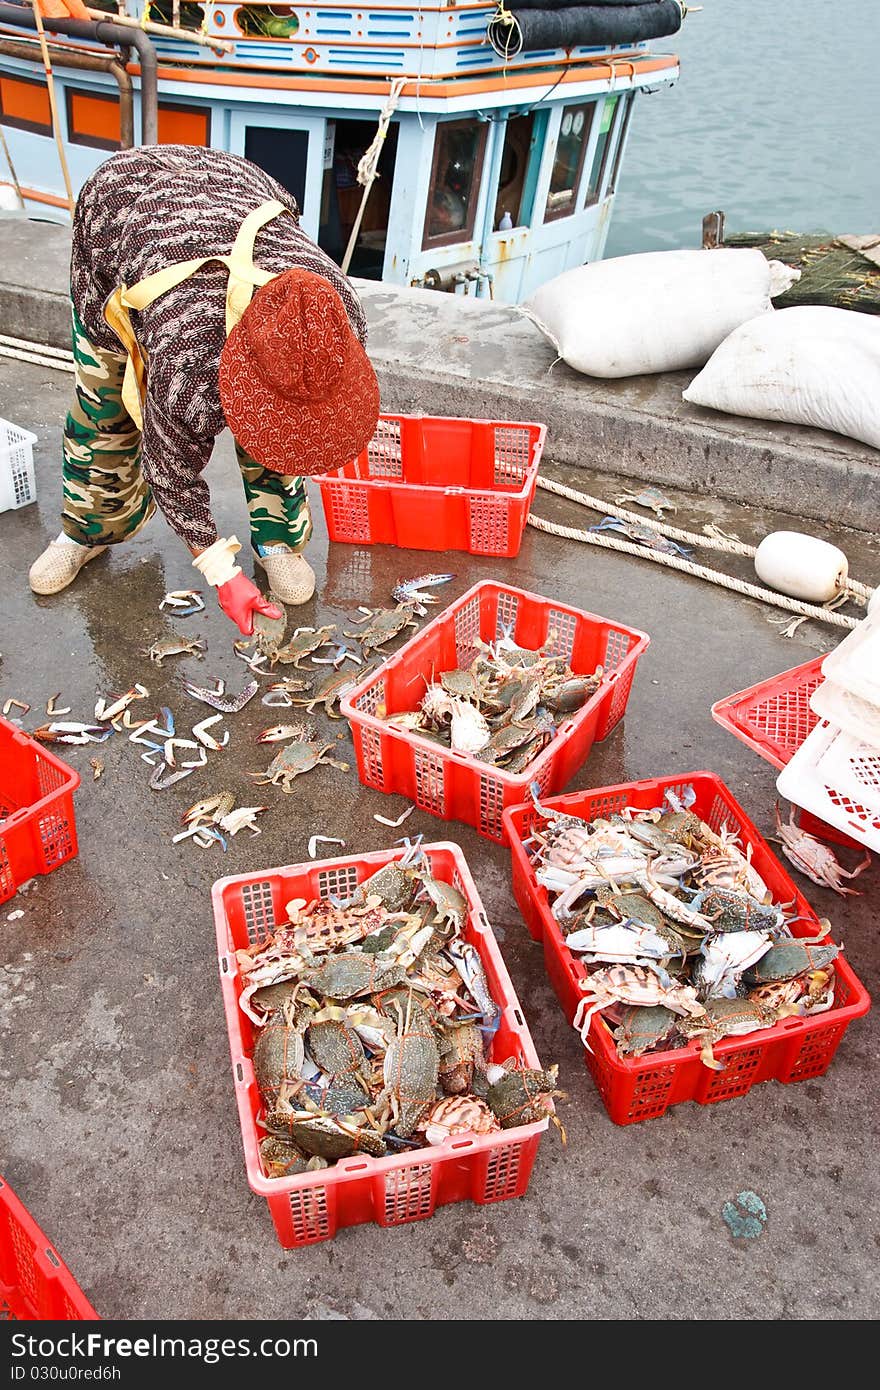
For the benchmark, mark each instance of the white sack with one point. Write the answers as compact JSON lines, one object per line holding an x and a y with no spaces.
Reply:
{"x":656,"y":312}
{"x":809,"y":365}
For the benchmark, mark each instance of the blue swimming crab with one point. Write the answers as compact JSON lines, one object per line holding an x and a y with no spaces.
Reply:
{"x":383,"y":625}
{"x":293,"y":761}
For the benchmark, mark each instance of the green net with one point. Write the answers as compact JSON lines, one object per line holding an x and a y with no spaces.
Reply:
{"x":831,"y":273}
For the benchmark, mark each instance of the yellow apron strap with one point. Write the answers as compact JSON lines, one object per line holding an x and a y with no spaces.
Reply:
{"x":134,"y":384}
{"x":244,"y":277}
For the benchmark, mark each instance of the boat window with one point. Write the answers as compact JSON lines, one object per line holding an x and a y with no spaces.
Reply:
{"x":266,"y":21}
{"x":459,"y":147}
{"x":571,"y":145}
{"x":93,"y":119}
{"x":345,"y":144}
{"x":24,"y":104}
{"x":184,"y":125}
{"x":629,"y":103}
{"x":512,"y":202}
{"x":603,"y":146}
{"x":281,"y":153}
{"x":187,"y":15}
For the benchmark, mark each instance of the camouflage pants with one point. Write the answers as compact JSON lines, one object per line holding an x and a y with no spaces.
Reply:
{"x":106,"y":497}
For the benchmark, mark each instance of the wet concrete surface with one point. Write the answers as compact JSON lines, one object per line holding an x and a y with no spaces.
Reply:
{"x":120,"y":1126}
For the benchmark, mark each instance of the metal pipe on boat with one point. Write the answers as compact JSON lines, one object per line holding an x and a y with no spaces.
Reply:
{"x":87,"y":62}
{"x":114,"y":35}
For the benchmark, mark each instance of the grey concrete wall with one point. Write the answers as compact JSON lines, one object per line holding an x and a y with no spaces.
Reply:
{"x":449,"y":355}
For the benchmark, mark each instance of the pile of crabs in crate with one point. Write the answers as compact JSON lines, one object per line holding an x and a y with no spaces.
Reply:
{"x":679,"y":933}
{"x":374,"y":1014}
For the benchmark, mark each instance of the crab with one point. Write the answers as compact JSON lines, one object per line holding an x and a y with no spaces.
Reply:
{"x":626,"y":943}
{"x":649,"y":497}
{"x":282,"y":1159}
{"x":642,"y":1027}
{"x":632,"y":984}
{"x":326,"y":1136}
{"x":269,"y":633}
{"x":383,"y":625}
{"x":723,"y":960}
{"x":457,"y":1115}
{"x":303,"y":642}
{"x":814,"y":859}
{"x":787,"y":958}
{"x":175,"y":646}
{"x":329,"y":691}
{"x":522,"y":1096}
{"x":410,"y":590}
{"x":293,"y":761}
{"x":724,"y":1018}
{"x":278,"y":1057}
{"x":461,"y":1053}
{"x":411,"y":1067}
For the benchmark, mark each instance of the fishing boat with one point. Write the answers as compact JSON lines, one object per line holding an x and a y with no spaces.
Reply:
{"x":457,"y":145}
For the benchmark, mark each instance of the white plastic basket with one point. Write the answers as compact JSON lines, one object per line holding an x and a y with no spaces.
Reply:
{"x":837,"y":777}
{"x":855,"y":664}
{"x":849,"y":712}
{"x":17,"y":486}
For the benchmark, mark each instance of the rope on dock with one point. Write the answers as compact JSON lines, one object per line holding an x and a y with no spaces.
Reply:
{"x":715,"y":540}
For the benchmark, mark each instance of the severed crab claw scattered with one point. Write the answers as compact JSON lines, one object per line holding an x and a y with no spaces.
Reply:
{"x":411,"y":591}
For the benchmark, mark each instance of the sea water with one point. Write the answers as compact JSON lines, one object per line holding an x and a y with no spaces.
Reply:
{"x":775,"y":119}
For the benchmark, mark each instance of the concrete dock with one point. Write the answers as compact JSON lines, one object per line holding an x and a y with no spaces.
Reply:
{"x":120,"y":1130}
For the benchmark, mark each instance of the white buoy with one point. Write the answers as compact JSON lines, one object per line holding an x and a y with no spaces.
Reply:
{"x":801,"y":566}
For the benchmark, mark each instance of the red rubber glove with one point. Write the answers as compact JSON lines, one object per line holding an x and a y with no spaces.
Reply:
{"x":240,"y":600}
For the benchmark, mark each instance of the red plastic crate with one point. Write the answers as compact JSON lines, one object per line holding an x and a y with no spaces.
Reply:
{"x":455,"y":785}
{"x":406,"y":1187}
{"x":437,"y":483}
{"x":37,"y":823}
{"x":641,"y":1088}
{"x":35,"y":1283}
{"x":773,"y":718}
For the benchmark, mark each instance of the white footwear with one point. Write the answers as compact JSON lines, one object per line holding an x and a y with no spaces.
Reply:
{"x":59,"y":565}
{"x":291,"y":577}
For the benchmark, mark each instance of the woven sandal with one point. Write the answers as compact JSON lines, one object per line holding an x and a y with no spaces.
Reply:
{"x":59,"y":565}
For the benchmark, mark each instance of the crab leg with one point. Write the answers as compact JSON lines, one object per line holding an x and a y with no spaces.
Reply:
{"x":52,"y":710}
{"x":162,"y":779}
{"x":200,"y":731}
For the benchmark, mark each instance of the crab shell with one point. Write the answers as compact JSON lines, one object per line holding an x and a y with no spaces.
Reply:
{"x":729,"y":1018}
{"x":278,"y":1058}
{"x":412,"y":1066}
{"x":786,"y":959}
{"x":523,"y":1096}
{"x":641,"y":1028}
{"x":458,"y":1115}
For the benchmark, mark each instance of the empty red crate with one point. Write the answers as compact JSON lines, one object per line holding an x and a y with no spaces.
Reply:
{"x":437,"y":483}
{"x":641,"y":1088}
{"x":773,"y":718}
{"x":455,"y":785}
{"x":406,"y":1187}
{"x":35,"y":1283}
{"x":37,"y":823}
